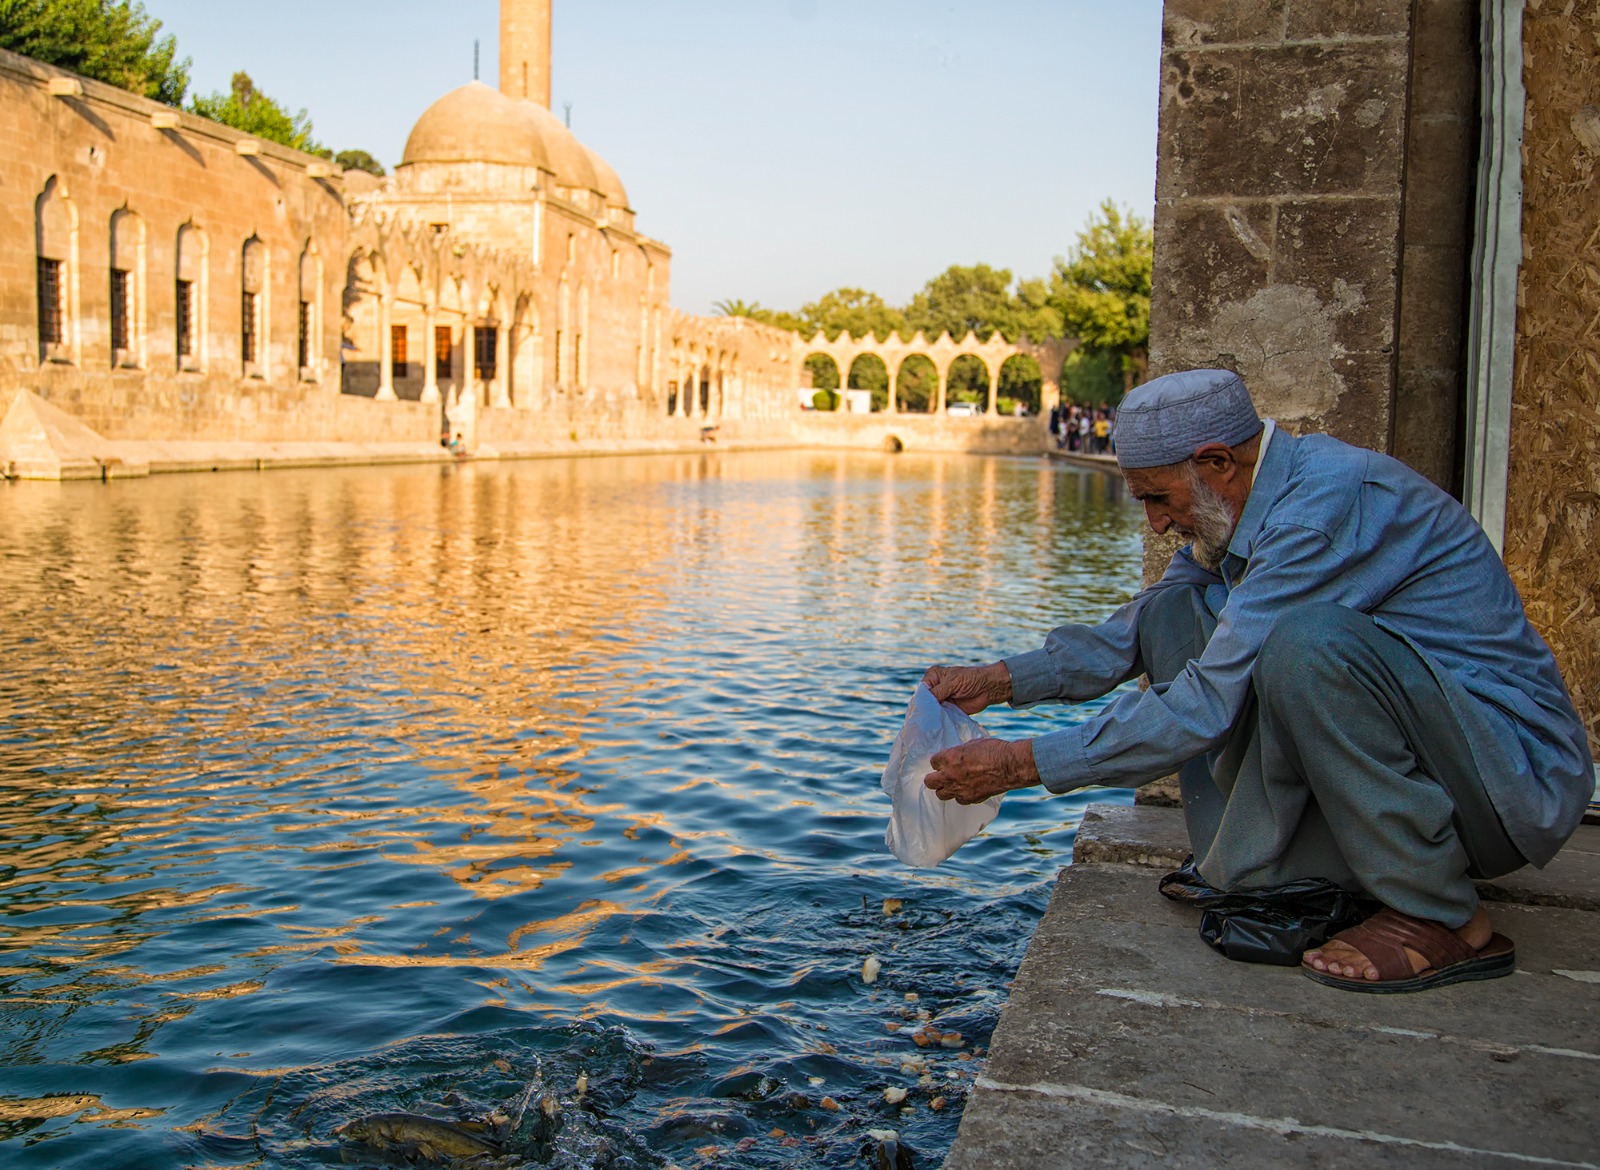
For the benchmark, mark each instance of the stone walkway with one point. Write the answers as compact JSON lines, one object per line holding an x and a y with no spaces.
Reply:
{"x":1127,"y":1042}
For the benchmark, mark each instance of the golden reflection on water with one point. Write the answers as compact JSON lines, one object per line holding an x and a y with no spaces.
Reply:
{"x":417,"y":665}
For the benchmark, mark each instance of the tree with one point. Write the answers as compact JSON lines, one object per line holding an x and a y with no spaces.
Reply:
{"x":850,"y":309}
{"x":739,"y":307}
{"x":247,"y":108}
{"x":357,"y":160}
{"x":1102,"y":288}
{"x":980,"y":299}
{"x":109,"y":40}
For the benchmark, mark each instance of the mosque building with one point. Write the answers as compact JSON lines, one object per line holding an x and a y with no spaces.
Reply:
{"x":204,"y":297}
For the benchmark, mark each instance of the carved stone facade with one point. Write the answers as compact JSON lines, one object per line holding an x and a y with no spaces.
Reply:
{"x":173,"y":281}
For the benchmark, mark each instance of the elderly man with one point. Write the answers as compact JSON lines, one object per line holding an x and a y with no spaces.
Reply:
{"x":1341,"y":674}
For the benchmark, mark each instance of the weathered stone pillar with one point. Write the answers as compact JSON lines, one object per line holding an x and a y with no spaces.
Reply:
{"x":430,"y":355}
{"x":1278,"y":204}
{"x":891,"y":407}
{"x":994,"y":389}
{"x":385,"y":347}
{"x":944,"y":383}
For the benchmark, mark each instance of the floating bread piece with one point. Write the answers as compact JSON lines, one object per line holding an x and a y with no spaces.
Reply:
{"x":870,"y":968}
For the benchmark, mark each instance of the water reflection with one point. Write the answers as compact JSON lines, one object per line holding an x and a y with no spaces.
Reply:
{"x":312,"y":779}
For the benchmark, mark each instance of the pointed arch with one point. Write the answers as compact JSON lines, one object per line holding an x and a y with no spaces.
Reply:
{"x":129,"y":300}
{"x":56,"y":254}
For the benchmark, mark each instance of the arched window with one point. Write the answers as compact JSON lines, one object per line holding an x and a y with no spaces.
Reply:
{"x":308,"y":333}
{"x":580,"y":352}
{"x":252,"y":309}
{"x":189,"y":306}
{"x":127,"y":290}
{"x":56,"y":249}
{"x":563,"y":331}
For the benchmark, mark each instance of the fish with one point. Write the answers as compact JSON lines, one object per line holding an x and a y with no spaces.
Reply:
{"x":412,"y":1134}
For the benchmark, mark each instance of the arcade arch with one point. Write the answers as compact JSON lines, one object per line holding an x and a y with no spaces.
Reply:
{"x":1022,"y":382}
{"x":916,"y":384}
{"x":942,"y":353}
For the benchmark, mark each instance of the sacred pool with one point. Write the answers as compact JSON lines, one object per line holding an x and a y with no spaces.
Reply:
{"x":539,"y":794}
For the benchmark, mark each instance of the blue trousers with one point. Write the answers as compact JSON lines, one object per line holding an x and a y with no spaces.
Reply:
{"x":1348,"y":763}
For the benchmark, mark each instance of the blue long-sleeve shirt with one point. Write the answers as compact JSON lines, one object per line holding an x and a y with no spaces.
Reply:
{"x":1328,"y":522}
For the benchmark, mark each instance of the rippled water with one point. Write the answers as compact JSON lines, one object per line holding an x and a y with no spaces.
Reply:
{"x":337,"y":792}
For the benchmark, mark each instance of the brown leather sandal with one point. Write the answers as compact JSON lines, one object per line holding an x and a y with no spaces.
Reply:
{"x":1382,"y":939}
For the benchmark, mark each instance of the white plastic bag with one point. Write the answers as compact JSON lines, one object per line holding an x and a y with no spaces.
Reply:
{"x":924,"y":830}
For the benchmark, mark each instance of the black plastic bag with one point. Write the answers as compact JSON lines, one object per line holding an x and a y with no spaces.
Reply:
{"x":1267,"y":924}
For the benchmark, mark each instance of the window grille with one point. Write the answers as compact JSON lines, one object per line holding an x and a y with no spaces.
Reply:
{"x":51,"y":329}
{"x":305,"y":334}
{"x":487,"y":338}
{"x":248,"y":330}
{"x":397,"y":351}
{"x":185,"y":314}
{"x":119,"y":309}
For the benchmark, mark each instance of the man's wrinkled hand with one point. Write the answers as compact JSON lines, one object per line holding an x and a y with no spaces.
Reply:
{"x":973,"y":772}
{"x":972,"y":688}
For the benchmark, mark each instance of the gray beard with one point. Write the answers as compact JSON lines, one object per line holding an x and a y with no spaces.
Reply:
{"x":1213,"y":522}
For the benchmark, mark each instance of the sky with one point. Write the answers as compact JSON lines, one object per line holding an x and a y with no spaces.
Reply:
{"x":781,"y":148}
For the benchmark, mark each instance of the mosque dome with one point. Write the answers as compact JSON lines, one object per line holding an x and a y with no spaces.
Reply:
{"x":608,"y":184}
{"x":475,"y":123}
{"x":569,"y":161}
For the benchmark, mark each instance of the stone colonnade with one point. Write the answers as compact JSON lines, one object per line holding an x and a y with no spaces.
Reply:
{"x":730,"y":368}
{"x":943,"y":352}
{"x":398,"y":271}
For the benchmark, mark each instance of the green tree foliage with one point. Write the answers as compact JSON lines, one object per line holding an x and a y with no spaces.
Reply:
{"x":1090,"y":377}
{"x":1102,"y":288}
{"x":357,"y":160}
{"x":849,"y":309}
{"x":247,"y":108}
{"x":109,"y":40}
{"x":979,"y":298}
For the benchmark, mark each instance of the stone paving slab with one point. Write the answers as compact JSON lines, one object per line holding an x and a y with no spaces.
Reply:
{"x":1128,"y":1042}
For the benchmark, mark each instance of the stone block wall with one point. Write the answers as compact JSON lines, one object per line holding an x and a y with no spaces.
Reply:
{"x":74,"y":162}
{"x":1279,"y":203}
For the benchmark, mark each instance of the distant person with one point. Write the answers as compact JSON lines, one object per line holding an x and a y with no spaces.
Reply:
{"x":1102,"y":432}
{"x":1341,"y":673}
{"x":458,"y":446}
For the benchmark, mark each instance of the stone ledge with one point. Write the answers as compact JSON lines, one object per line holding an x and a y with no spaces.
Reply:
{"x":1155,"y":838}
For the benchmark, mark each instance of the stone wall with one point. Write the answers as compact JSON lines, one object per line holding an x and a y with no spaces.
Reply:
{"x":1553,"y":493}
{"x":1279,"y":196}
{"x":91,"y":164}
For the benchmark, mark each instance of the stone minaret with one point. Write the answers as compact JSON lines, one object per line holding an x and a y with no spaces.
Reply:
{"x":525,"y":50}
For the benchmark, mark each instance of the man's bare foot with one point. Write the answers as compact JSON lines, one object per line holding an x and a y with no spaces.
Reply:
{"x":1342,"y":959}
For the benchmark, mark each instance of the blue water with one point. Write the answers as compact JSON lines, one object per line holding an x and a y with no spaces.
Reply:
{"x":433,"y":789}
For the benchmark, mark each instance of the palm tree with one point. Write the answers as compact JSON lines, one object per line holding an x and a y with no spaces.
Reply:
{"x":739,"y":307}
